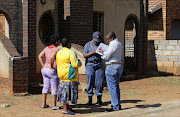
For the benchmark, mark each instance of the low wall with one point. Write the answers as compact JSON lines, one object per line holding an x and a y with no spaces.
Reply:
{"x":164,"y":56}
{"x":13,"y":68}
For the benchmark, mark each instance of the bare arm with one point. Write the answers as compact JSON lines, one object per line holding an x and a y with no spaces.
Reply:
{"x":52,"y":59}
{"x":89,"y":54}
{"x":41,"y":55}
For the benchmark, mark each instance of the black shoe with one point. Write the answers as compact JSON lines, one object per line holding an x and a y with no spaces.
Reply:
{"x":90,"y":100}
{"x":99,"y":101}
{"x":110,"y":110}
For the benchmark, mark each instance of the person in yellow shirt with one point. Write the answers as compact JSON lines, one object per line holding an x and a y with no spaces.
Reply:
{"x":67,"y":69}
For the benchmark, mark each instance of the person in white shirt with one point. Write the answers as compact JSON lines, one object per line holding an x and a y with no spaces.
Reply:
{"x":114,"y":69}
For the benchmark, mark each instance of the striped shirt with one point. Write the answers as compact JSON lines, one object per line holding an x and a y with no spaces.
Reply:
{"x":48,"y":52}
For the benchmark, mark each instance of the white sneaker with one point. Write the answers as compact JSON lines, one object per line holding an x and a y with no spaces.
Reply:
{"x":44,"y":106}
{"x":56,"y":108}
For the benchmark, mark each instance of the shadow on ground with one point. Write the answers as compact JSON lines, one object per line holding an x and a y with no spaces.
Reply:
{"x":85,"y":109}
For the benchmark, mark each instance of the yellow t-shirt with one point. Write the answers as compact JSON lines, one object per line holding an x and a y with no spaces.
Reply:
{"x":67,"y":65}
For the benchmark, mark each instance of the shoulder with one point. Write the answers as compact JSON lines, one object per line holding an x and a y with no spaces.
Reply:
{"x":55,"y":49}
{"x":87,"y":44}
{"x":72,"y":52}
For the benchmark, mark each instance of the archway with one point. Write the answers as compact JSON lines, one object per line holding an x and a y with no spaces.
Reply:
{"x":46,"y":27}
{"x":4,"y":25}
{"x":175,"y":29}
{"x":130,"y":44}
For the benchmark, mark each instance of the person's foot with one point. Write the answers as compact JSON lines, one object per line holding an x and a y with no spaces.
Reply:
{"x":44,"y":106}
{"x":68,"y":113}
{"x":56,"y":108}
{"x":100,"y":103}
{"x":89,"y":103}
{"x":110,"y":110}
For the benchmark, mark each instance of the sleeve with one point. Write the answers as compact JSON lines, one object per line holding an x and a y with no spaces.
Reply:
{"x":86,"y":49}
{"x":109,"y":52}
{"x":74,"y":60}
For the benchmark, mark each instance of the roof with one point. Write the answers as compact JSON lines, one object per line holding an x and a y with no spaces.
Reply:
{"x":154,"y":5}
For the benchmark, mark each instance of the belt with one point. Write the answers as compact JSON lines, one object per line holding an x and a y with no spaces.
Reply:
{"x":96,"y":61}
{"x":113,"y":63}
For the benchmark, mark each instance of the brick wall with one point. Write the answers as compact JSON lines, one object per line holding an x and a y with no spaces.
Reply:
{"x":19,"y":74}
{"x":164,"y":56}
{"x":172,"y":12}
{"x":155,"y":26}
{"x":78,"y":22}
{"x":11,"y":11}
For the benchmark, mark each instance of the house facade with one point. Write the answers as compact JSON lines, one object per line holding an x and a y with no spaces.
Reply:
{"x":147,"y":29}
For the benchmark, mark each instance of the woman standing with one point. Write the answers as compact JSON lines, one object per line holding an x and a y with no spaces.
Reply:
{"x":67,"y":67}
{"x":49,"y":71}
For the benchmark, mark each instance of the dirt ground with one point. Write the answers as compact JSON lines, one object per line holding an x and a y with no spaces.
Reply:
{"x":148,"y":91}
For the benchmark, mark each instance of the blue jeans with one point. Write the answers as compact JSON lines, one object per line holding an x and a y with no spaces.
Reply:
{"x":113,"y":74}
{"x":95,"y":76}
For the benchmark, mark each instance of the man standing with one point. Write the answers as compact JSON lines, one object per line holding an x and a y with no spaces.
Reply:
{"x":114,"y":69}
{"x":94,"y":68}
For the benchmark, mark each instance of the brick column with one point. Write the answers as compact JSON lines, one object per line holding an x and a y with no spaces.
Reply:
{"x":25,"y":27}
{"x":142,"y":41}
{"x":32,"y":39}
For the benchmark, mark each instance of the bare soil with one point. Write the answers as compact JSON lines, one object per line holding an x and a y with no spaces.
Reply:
{"x":148,"y":91}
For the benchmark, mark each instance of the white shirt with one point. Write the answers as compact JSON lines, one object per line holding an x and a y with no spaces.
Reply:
{"x":113,"y":53}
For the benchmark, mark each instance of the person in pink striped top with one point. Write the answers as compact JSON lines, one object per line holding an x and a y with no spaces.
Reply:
{"x":49,"y":71}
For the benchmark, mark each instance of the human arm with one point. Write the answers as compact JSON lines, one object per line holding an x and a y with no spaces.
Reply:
{"x":87,"y":55}
{"x":41,"y":55}
{"x":106,"y":55}
{"x":52,"y":59}
{"x":75,"y":62}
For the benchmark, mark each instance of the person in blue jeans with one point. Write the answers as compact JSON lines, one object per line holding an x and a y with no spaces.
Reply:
{"x":94,"y":68}
{"x":114,"y":69}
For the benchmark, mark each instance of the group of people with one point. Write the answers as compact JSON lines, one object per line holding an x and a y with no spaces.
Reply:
{"x":63,"y":64}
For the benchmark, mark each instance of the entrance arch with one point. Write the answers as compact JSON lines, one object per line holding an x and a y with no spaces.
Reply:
{"x":4,"y":24}
{"x":130,"y":44}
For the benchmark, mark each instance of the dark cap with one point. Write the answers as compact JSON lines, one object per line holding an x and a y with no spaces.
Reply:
{"x":97,"y":36}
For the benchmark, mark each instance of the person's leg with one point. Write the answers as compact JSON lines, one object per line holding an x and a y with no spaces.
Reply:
{"x":118,"y":89}
{"x":65,"y":107}
{"x":111,"y":77}
{"x":90,"y":81}
{"x":44,"y":96}
{"x":54,"y":81}
{"x":46,"y":86}
{"x":99,"y":76}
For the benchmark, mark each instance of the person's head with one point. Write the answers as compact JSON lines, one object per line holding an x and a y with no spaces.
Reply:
{"x":96,"y":38}
{"x":55,"y":40}
{"x":110,"y":36}
{"x":66,"y":42}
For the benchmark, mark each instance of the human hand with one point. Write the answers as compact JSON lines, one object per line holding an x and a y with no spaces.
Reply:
{"x":52,"y":68}
{"x":94,"y":52}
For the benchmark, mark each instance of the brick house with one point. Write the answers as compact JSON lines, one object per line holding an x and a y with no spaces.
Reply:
{"x":144,"y":30}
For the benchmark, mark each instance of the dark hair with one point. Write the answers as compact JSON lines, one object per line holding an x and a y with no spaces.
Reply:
{"x":111,"y":35}
{"x":54,"y":39}
{"x":65,"y":42}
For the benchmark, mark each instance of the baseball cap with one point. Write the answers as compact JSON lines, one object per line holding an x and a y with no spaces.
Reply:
{"x":97,"y":36}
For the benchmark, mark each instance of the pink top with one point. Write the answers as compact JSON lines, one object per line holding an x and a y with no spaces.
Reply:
{"x":48,"y":52}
